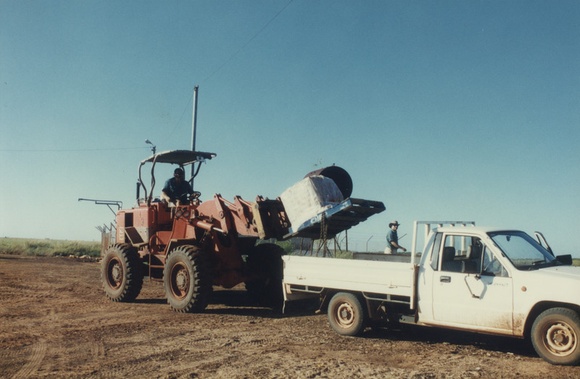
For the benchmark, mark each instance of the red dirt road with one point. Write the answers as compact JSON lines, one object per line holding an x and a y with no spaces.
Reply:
{"x":55,"y":322}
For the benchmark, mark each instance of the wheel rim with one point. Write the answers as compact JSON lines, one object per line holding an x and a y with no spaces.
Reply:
{"x":345,"y":315}
{"x":180,"y":280}
{"x":560,"y":339}
{"x":115,"y":273}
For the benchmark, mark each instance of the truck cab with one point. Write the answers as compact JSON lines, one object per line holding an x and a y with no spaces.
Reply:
{"x":489,"y":280}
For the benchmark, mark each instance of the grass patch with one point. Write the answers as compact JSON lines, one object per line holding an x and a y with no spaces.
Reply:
{"x":48,"y":247}
{"x":59,"y":248}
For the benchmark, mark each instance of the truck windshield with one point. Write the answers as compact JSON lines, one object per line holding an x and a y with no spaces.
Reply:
{"x":522,"y":250}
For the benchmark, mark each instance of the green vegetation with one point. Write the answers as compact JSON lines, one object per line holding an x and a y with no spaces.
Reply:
{"x":343,"y":254}
{"x":286,"y":245}
{"x":292,"y":247}
{"x":48,"y":247}
{"x":59,"y":248}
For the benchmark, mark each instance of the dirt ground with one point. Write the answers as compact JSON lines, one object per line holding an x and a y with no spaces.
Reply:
{"x":55,"y":322}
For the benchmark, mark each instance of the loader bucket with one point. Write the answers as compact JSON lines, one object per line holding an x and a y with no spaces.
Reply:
{"x":339,"y":176}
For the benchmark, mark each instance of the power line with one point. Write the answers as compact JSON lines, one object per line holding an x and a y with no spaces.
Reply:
{"x":187,"y":106}
{"x":228,"y":60}
{"x":68,"y":150}
{"x":248,"y":42}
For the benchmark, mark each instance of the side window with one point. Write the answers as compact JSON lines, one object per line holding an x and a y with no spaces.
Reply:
{"x":461,"y":254}
{"x":491,"y":266}
{"x":435,"y":254}
{"x":475,"y":252}
{"x":450,"y":255}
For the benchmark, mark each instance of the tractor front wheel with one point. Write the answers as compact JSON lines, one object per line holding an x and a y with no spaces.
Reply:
{"x":187,"y":279}
{"x":121,"y":273}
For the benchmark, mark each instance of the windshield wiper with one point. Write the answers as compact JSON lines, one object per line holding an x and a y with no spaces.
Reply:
{"x":543,"y":264}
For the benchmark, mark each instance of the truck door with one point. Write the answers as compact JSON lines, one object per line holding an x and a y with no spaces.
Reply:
{"x":471,"y":288}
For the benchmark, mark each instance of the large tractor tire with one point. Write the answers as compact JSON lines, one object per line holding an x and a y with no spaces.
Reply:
{"x":187,"y":279}
{"x":265,"y":264}
{"x":121,"y":273}
{"x":346,"y":314}
{"x":556,"y":336}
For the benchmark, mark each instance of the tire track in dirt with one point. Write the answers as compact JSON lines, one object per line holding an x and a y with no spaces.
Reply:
{"x":250,"y":339}
{"x":98,"y":349}
{"x":37,"y":355}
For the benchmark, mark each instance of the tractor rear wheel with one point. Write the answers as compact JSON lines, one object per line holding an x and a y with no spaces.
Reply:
{"x":265,"y":264}
{"x":187,"y":279}
{"x":121,"y":273}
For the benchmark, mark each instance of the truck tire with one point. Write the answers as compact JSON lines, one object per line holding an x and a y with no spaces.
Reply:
{"x":121,"y":273}
{"x":187,"y":279}
{"x":346,"y":314}
{"x":265,"y":263}
{"x":556,"y":336}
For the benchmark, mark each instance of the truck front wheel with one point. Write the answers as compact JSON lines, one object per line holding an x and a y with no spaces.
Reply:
{"x":187,"y":279}
{"x":121,"y":273}
{"x":346,"y":314}
{"x":555,"y":336}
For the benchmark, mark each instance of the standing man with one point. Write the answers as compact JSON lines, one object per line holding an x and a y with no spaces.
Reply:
{"x":176,"y":189}
{"x":393,"y":239}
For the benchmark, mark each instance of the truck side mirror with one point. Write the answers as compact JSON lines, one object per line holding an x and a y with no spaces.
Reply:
{"x":565,"y":259}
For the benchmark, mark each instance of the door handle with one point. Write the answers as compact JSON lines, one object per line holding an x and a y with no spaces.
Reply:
{"x":445,"y":279}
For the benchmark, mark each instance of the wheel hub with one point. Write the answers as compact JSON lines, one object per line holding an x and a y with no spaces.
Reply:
{"x":560,"y":339}
{"x":180,"y":281}
{"x":115,"y":274}
{"x":345,"y":315}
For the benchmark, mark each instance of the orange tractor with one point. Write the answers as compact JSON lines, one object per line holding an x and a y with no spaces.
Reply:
{"x":196,"y":246}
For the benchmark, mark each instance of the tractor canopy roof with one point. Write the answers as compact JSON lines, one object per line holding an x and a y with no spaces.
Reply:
{"x":180,"y":157}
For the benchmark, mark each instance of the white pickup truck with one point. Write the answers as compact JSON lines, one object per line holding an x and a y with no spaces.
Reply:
{"x":484,"y":280}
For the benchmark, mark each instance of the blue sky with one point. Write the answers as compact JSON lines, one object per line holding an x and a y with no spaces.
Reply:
{"x":442,"y":110}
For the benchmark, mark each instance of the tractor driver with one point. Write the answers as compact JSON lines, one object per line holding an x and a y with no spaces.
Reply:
{"x":176,"y":189}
